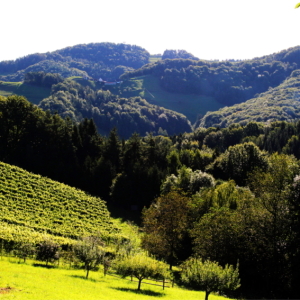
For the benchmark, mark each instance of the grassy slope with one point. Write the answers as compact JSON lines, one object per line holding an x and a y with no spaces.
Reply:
{"x":31,"y":205}
{"x":34,"y":94}
{"x":148,"y":87}
{"x":34,"y":283}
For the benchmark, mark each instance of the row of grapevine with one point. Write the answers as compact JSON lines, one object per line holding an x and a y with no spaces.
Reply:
{"x":35,"y":203}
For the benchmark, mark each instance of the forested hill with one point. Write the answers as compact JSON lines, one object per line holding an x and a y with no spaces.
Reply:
{"x":72,"y":99}
{"x":229,"y":82}
{"x":281,"y":103}
{"x":106,"y":60}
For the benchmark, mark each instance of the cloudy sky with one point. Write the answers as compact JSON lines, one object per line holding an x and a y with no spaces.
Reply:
{"x":209,"y":29}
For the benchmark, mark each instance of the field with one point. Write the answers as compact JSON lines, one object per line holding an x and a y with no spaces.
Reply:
{"x":148,"y":87}
{"x":21,"y":281}
{"x":32,"y":205}
{"x":34,"y":94}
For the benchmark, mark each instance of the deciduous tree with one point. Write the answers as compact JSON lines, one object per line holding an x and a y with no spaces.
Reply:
{"x":141,"y":266}
{"x":165,"y":226}
{"x":210,"y":276}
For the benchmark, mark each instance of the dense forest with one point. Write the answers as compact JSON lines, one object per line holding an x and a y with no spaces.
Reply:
{"x":230,"y":82}
{"x":279,"y":103}
{"x":239,"y":186}
{"x":106,"y":60}
{"x":129,"y":115}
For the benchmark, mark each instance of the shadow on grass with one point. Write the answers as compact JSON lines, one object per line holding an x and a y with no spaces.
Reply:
{"x":83,"y":277}
{"x":141,"y":292}
{"x":44,"y":266}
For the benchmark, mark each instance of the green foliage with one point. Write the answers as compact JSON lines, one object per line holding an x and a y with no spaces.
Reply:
{"x":25,"y":250}
{"x":237,"y":162}
{"x":42,"y":79}
{"x":278,"y":103}
{"x":188,"y":181}
{"x":210,"y":276}
{"x":141,"y":266}
{"x":228,"y":82}
{"x":90,"y":251}
{"x":107,"y":60}
{"x":173,"y":54}
{"x":70,"y":99}
{"x":47,"y":251}
{"x":34,"y":202}
{"x":165,"y":226}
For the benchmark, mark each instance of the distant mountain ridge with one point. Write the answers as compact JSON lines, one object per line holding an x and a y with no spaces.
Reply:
{"x":108,"y":60}
{"x":199,"y":86}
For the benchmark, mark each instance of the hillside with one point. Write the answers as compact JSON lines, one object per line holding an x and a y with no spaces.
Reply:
{"x":280,"y":103}
{"x":148,"y":87}
{"x":36,"y":205}
{"x":84,"y":99}
{"x":34,"y":94}
{"x":96,"y":60}
{"x":176,"y":85}
{"x":229,"y":82}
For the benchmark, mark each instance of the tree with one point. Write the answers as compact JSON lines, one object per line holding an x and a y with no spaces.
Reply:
{"x":165,"y":226}
{"x":273,"y":193}
{"x":237,"y":162}
{"x":210,"y":276}
{"x":141,"y":266}
{"x":47,"y":251}
{"x":89,"y":251}
{"x":25,"y":250}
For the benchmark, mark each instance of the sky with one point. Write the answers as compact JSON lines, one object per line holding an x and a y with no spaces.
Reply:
{"x":209,"y":29}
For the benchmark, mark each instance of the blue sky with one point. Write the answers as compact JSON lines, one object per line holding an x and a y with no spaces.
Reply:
{"x":208,"y":29}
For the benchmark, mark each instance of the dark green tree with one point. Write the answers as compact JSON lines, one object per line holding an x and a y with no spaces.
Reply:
{"x":165,"y":226}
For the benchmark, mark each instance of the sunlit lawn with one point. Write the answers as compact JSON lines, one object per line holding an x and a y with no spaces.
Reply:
{"x":26,"y":281}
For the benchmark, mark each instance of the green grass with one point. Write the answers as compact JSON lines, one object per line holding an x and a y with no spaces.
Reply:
{"x":29,"y":282}
{"x":148,"y":87}
{"x":34,"y":94}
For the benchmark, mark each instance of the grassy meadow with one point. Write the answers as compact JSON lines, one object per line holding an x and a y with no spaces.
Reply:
{"x":148,"y":87}
{"x":27,"y":281}
{"x":34,"y":94}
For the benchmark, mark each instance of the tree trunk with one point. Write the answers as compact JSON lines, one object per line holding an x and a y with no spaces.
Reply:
{"x":206,"y":295}
{"x":139,"y":286}
{"x":87,"y":273}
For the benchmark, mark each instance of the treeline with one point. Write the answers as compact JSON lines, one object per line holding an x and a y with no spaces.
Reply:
{"x":129,"y":172}
{"x":174,"y":54}
{"x":71,"y":99}
{"x":106,"y":60}
{"x":42,"y":79}
{"x":229,"y":82}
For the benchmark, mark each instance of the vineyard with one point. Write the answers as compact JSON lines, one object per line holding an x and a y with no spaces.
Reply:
{"x":34,"y":207}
